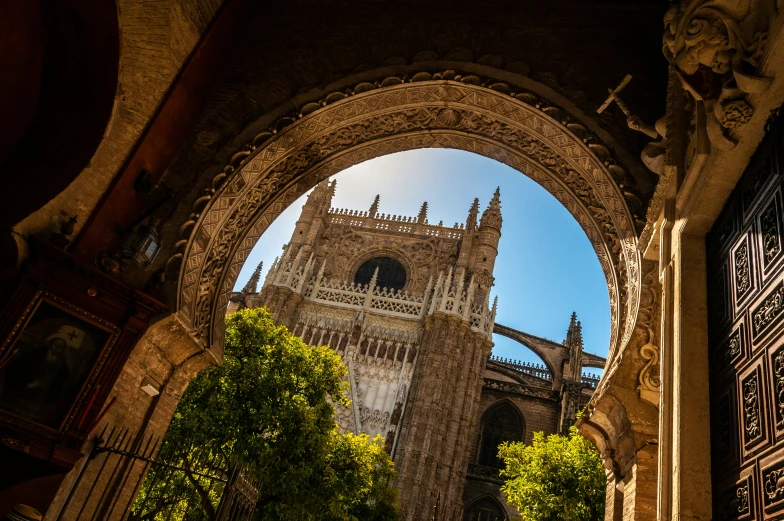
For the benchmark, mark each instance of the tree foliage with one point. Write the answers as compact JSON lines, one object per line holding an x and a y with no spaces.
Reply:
{"x":557,"y":478}
{"x":267,"y":409}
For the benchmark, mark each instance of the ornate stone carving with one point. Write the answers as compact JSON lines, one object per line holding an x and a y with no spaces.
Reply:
{"x":649,"y":380}
{"x":734,"y":502}
{"x":402,"y":117}
{"x":742,"y":274}
{"x":731,"y":350}
{"x":771,"y":232}
{"x":715,"y":35}
{"x":778,"y":386}
{"x":717,"y":46}
{"x":773,"y":484}
{"x":421,"y":256}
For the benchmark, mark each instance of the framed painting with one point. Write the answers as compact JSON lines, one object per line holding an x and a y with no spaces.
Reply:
{"x":49,"y":362}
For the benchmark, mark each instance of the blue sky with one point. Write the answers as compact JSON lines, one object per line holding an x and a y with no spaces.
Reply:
{"x":546,"y":267}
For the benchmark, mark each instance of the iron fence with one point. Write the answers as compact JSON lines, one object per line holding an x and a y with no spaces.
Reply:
{"x":138,"y":478}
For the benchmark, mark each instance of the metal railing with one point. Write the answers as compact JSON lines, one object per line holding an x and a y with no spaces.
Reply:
{"x":126,"y":477}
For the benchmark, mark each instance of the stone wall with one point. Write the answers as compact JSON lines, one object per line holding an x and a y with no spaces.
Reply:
{"x":442,"y":413}
{"x":539,"y":415}
{"x":157,"y":38}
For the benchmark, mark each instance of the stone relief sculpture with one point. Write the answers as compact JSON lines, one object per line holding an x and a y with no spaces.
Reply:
{"x":716,"y":48}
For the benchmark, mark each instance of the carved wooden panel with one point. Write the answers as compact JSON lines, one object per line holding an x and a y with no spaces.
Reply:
{"x":746,"y":319}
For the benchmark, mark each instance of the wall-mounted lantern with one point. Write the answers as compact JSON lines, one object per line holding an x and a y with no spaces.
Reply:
{"x":142,"y":243}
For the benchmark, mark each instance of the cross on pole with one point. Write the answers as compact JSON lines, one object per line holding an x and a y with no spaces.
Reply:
{"x":633,"y":121}
{"x":614,"y":97}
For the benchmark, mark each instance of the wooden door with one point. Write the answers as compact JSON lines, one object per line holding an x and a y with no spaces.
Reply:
{"x":746,"y":326}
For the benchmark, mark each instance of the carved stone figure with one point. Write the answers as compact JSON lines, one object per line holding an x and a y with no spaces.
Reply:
{"x":716,"y":48}
{"x":653,"y":155}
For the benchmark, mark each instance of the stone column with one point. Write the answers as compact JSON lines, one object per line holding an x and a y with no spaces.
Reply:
{"x":691,"y":464}
{"x":613,"y":509}
{"x":640,"y":486}
{"x":441,"y":415}
{"x":621,"y":419}
{"x":664,"y":505}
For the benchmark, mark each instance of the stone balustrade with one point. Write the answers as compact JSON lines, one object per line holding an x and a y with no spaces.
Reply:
{"x":591,"y":380}
{"x":537,"y":370}
{"x":447,"y":296}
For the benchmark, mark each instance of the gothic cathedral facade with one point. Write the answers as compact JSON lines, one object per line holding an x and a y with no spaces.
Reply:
{"x":399,"y":298}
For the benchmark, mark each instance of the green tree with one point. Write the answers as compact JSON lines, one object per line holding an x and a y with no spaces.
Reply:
{"x":267,"y":409}
{"x":557,"y":478}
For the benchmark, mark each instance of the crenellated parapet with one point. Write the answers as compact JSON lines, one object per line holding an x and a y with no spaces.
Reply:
{"x":394,"y":223}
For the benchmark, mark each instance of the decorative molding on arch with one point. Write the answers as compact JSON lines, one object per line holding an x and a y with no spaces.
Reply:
{"x":392,"y":116}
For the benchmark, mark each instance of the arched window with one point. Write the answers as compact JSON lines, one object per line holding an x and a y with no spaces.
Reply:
{"x":499,"y":424}
{"x":485,"y":509}
{"x":391,"y":274}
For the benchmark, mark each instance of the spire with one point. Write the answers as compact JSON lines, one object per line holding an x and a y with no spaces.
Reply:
{"x":574,"y":335}
{"x":331,"y":189}
{"x":492,"y":215}
{"x":422,"y":217}
{"x":322,"y":191}
{"x":473,"y":213}
{"x":253,"y":281}
{"x":374,"y":206}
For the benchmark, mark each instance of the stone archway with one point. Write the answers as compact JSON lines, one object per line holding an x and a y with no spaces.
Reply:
{"x":374,"y":119}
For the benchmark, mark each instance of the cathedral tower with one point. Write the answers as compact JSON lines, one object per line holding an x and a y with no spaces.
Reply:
{"x":407,"y":305}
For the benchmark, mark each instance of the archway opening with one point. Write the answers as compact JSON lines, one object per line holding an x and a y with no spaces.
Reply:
{"x":546,"y":267}
{"x":545,"y":270}
{"x":373,"y":120}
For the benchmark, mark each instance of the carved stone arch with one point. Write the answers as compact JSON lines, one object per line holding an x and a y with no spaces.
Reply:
{"x":378,"y":119}
{"x":606,"y":424}
{"x":488,"y":500}
{"x":503,"y":402}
